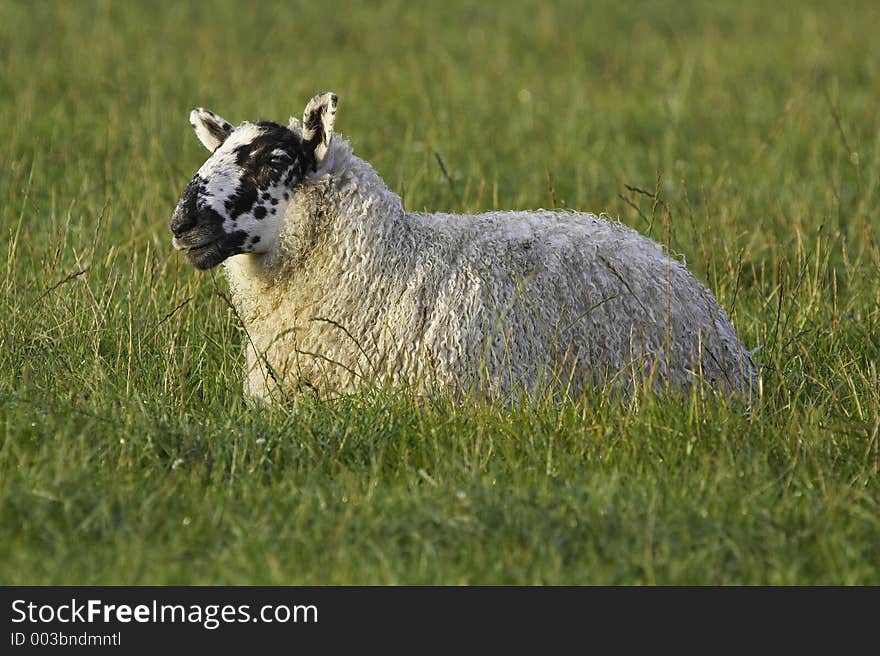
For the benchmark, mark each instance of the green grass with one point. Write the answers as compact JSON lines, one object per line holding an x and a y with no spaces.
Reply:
{"x":127,"y":455}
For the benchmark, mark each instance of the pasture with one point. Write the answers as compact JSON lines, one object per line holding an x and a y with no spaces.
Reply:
{"x":744,"y":137}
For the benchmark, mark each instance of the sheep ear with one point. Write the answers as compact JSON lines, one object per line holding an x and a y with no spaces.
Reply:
{"x":318,"y":119}
{"x":294,"y":123}
{"x":211,"y":129}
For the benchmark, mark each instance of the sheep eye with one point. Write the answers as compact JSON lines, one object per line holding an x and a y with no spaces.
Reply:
{"x":279,"y":160}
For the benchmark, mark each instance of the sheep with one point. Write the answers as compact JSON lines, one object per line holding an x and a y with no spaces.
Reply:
{"x":338,"y":286}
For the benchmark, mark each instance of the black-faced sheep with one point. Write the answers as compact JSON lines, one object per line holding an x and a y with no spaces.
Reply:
{"x":337,"y":284}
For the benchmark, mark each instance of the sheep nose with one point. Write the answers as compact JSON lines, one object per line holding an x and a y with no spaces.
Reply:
{"x":181,"y":222}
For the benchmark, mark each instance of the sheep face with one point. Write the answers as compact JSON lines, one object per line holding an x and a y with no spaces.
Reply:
{"x":237,"y":199}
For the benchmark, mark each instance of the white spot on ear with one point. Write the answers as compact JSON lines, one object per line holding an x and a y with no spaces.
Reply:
{"x":318,"y":119}
{"x":211,"y":129}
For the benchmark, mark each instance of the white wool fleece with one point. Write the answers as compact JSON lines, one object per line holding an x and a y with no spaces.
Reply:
{"x":506,"y":303}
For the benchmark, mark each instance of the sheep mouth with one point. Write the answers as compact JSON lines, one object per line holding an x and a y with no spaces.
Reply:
{"x":208,"y":254}
{"x":199,"y":248}
{"x":205,"y":256}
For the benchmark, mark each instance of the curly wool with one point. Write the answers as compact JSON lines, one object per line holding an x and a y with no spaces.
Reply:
{"x":506,"y":303}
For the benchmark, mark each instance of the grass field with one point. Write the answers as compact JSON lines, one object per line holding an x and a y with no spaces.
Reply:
{"x":745,"y":138}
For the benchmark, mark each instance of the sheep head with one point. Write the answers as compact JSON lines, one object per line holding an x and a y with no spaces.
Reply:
{"x":236,"y":201}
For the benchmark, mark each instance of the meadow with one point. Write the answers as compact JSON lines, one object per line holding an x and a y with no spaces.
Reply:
{"x":744,"y":137}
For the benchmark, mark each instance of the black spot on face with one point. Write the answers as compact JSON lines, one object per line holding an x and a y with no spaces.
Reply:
{"x":242,"y":200}
{"x":187,"y":211}
{"x":275,"y":156}
{"x":199,"y":229}
{"x":193,"y":222}
{"x":259,"y":212}
{"x":270,"y":154}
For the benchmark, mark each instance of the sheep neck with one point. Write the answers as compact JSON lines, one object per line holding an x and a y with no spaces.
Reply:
{"x":323,"y":212}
